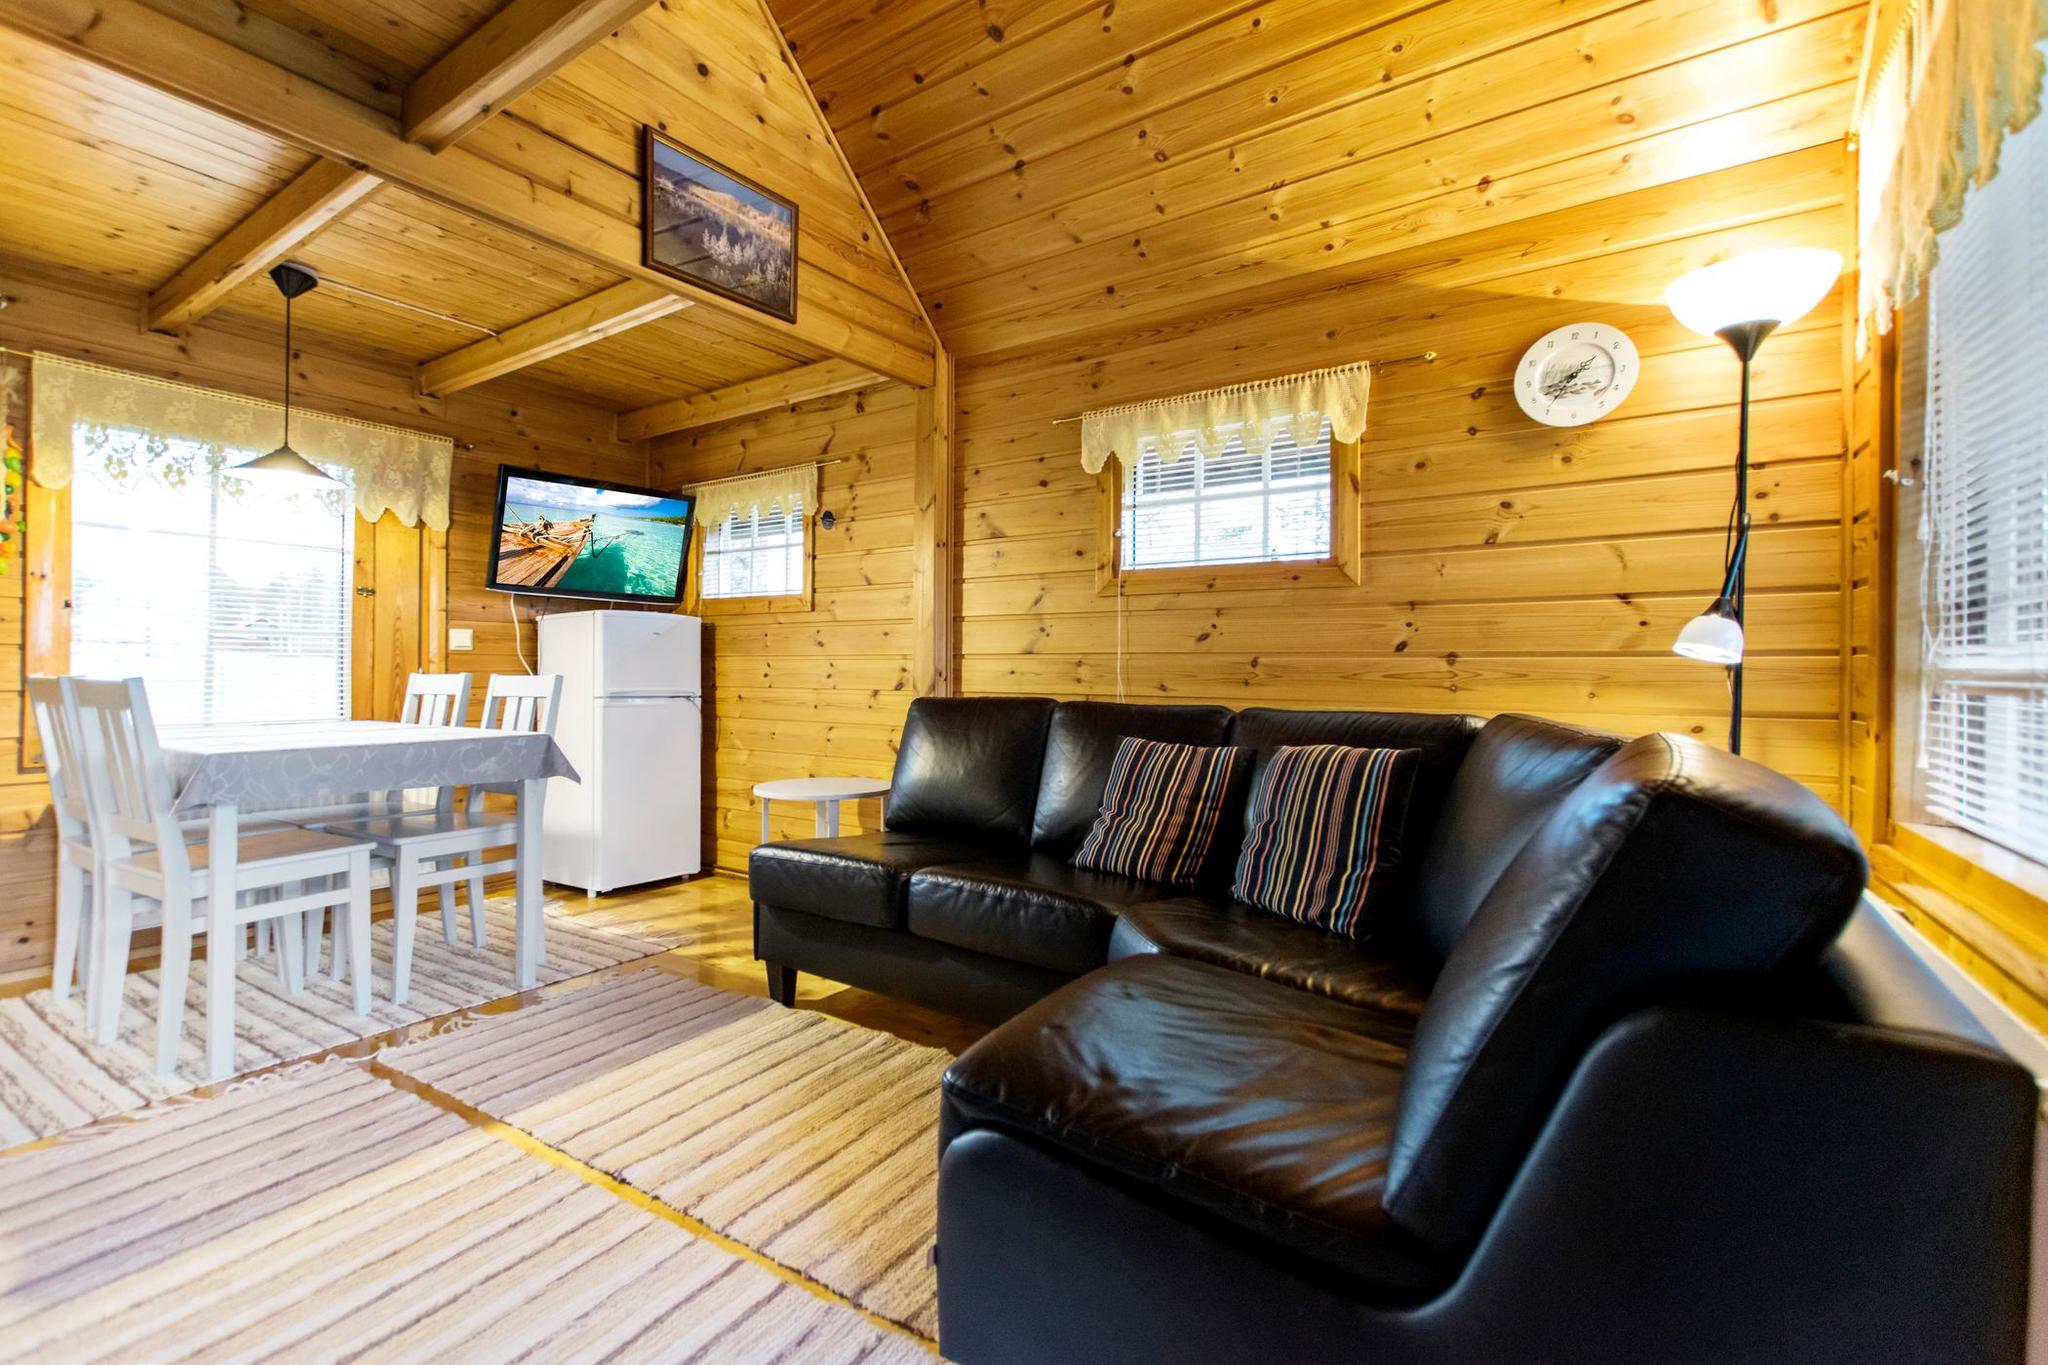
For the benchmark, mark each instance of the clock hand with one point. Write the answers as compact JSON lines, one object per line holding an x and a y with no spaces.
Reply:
{"x":1563,"y":384}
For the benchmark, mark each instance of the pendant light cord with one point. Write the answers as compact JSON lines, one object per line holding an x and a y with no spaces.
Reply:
{"x":287,"y":371}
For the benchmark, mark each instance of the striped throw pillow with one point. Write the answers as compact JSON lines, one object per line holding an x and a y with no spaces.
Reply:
{"x":1160,"y":811}
{"x":1323,"y":833}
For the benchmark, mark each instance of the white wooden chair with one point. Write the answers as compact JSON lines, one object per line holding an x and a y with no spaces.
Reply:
{"x":79,"y":875}
{"x":144,"y":855}
{"x":78,"y":872}
{"x":421,"y":847}
{"x":430,"y":699}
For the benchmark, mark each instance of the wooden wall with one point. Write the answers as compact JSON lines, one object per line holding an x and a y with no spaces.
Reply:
{"x":822,"y":692}
{"x":1508,"y":566}
{"x":75,"y":315}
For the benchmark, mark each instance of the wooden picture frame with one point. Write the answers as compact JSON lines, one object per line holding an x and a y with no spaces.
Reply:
{"x":758,"y":267}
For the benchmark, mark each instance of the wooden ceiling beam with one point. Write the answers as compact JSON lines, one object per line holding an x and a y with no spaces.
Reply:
{"x":321,"y":193}
{"x":516,"y":49}
{"x":614,"y":310}
{"x":164,"y":53}
{"x":822,"y":380}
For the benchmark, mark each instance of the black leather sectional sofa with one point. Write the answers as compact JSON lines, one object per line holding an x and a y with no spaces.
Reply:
{"x":1632,"y":1075}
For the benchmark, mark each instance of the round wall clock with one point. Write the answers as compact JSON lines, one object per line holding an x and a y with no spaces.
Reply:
{"x":1575,"y":374}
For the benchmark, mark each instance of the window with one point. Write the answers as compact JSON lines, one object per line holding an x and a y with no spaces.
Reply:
{"x":1973,"y":584}
{"x":756,"y":552}
{"x":1237,"y":508}
{"x":230,"y":597}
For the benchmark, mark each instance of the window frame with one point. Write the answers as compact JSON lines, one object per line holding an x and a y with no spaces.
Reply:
{"x":1343,"y":565}
{"x":1980,"y":901}
{"x":697,"y":602}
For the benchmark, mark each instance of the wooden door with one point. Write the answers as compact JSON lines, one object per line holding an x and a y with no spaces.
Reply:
{"x":399,"y":608}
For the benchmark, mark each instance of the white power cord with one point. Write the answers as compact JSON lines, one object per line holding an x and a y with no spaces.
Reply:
{"x":518,"y":644}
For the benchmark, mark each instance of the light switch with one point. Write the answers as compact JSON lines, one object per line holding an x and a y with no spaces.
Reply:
{"x":461,"y":637}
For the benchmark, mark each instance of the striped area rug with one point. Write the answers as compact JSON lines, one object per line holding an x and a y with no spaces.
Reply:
{"x":811,"y":1140}
{"x":320,"y":1214}
{"x":53,"y":1077}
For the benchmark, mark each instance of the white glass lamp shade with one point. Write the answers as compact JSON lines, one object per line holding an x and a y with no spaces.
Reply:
{"x":284,"y":465}
{"x":1764,"y":286}
{"x":1713,"y":638}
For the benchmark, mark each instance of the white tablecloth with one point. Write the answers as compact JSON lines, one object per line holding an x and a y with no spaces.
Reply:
{"x":278,"y":764}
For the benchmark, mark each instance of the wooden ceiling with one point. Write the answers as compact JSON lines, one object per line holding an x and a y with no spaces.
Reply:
{"x":1052,"y":169}
{"x":1049,"y":170}
{"x":476,"y":161}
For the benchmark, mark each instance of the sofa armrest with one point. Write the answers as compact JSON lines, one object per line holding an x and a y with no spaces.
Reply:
{"x":1711,"y":1187}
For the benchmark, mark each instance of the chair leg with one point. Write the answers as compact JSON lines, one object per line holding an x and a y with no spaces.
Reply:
{"x":344,"y":948}
{"x":220,"y":993}
{"x":405,"y":905}
{"x":110,"y":962}
{"x":291,"y":952}
{"x":444,"y":895}
{"x":781,"y":983}
{"x":476,"y":902}
{"x":70,"y":919}
{"x":177,"y":964}
{"x":356,"y":929}
{"x":316,"y":923}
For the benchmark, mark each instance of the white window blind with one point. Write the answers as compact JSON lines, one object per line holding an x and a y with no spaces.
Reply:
{"x":1232,"y":508}
{"x":229,"y":597}
{"x":1982,"y":755}
{"x":756,"y":551}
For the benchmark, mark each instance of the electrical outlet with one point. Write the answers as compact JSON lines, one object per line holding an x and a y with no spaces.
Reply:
{"x":461,"y":638}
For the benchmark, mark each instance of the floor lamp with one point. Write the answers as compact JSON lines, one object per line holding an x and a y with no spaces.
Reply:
{"x":1742,"y":301}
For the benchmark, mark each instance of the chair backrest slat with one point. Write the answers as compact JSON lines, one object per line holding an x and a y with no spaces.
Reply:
{"x":523,"y":703}
{"x":435,"y":699}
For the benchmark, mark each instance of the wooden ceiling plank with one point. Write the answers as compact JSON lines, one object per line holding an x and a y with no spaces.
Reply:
{"x":307,"y":53}
{"x":822,"y":380}
{"x":149,"y":47}
{"x":516,"y":49}
{"x":323,"y":192}
{"x":615,"y":310}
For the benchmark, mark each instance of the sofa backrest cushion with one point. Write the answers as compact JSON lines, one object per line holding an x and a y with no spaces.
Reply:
{"x":1673,"y":870}
{"x":1442,"y":741}
{"x":970,"y":765}
{"x":1517,"y":772}
{"x":1079,"y":748}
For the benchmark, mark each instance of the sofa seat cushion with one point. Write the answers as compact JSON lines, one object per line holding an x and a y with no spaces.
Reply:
{"x":1268,"y":1108}
{"x":856,"y":878}
{"x":1246,"y":939}
{"x":1028,"y":908}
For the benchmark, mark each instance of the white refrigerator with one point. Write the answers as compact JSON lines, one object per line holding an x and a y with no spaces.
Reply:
{"x":632,"y":721}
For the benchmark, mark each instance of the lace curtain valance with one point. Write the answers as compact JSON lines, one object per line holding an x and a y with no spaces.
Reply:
{"x":1293,"y":405}
{"x":1947,"y":87}
{"x":388,"y":469}
{"x":792,"y":487}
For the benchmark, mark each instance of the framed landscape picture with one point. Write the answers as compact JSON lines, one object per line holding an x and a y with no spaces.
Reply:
{"x":716,"y":228}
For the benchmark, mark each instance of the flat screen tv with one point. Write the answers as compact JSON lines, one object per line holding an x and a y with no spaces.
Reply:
{"x":561,"y":536}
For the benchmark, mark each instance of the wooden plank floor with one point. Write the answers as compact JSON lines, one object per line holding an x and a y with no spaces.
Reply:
{"x":716,"y":913}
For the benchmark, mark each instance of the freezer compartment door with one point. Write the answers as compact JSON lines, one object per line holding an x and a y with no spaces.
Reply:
{"x":646,"y":653}
{"x":649,"y":782}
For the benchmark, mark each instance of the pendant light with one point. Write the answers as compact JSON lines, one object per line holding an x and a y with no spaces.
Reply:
{"x":285,"y":465}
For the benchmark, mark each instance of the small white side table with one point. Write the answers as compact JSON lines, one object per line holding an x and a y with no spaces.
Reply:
{"x":826,"y":792}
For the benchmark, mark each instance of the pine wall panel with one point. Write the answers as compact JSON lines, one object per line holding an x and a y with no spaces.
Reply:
{"x":1508,"y":566}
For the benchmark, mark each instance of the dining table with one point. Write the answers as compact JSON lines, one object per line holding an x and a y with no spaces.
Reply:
{"x":228,"y":769}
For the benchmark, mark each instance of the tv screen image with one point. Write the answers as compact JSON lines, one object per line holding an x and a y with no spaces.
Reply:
{"x":568,"y":537}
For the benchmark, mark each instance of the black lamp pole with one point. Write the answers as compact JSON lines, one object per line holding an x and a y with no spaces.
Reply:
{"x":1744,"y":338}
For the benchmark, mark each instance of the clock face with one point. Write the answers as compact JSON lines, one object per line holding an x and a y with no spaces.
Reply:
{"x":1576,"y":374}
